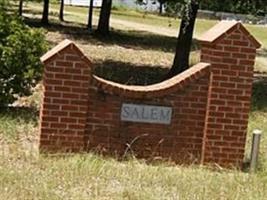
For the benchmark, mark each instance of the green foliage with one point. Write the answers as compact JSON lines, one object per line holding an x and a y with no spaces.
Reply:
{"x":255,"y":7}
{"x":20,"y":50}
{"x":175,"y":8}
{"x":180,"y":8}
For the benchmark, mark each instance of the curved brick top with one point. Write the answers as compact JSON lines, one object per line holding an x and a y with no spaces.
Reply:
{"x":224,"y":28}
{"x":68,"y":48}
{"x":155,"y":90}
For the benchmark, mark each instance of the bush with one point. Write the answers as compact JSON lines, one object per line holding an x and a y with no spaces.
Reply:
{"x":20,"y":50}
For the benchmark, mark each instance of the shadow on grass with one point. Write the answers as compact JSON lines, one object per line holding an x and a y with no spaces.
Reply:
{"x":140,"y":40}
{"x":259,"y":96}
{"x":130,"y":74}
{"x":20,"y":113}
{"x":262,"y":52}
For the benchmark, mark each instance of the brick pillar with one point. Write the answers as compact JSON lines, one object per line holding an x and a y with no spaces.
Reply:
{"x":231,"y":50}
{"x":67,"y":73}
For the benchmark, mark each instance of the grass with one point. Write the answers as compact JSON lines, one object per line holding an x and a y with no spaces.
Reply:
{"x":136,"y":38}
{"x":24,"y":174}
{"x":91,"y":177}
{"x":79,"y":14}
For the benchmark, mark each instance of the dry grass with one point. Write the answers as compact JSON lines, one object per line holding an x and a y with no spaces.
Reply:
{"x":24,"y":174}
{"x":147,"y":40}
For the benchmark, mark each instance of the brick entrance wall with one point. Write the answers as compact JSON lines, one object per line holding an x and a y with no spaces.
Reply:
{"x":181,"y":140}
{"x":232,"y":55}
{"x":210,"y":104}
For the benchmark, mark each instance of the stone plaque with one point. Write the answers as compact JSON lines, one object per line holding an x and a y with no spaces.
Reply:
{"x":146,"y":113}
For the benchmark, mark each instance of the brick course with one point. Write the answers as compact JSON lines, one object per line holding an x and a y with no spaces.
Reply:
{"x":210,"y":104}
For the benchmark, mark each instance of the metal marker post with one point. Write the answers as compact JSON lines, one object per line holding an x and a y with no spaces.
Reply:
{"x":255,"y":149}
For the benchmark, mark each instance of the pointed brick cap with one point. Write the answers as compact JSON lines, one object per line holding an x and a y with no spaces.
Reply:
{"x":224,"y":28}
{"x":66,"y":45}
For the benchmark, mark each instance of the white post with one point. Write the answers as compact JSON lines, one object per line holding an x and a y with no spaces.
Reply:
{"x":255,"y":149}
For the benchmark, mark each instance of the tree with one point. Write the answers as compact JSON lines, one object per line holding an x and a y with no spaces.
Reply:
{"x":161,"y":3}
{"x":184,"y":41}
{"x":45,"y":13}
{"x":188,"y":10}
{"x":20,"y":7}
{"x":90,"y":16}
{"x":103,"y":23}
{"x":61,"y":11}
{"x":174,"y":7}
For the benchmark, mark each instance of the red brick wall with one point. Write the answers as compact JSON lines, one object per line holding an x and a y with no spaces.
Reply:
{"x":180,"y":141}
{"x":210,"y":105}
{"x":65,"y":103}
{"x":232,"y":59}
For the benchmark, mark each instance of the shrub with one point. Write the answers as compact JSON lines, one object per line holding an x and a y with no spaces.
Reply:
{"x":20,"y":50}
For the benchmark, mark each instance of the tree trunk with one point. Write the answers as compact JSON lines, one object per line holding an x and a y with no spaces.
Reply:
{"x":20,"y":7}
{"x":45,"y":12}
{"x":61,"y":11}
{"x":90,"y":16}
{"x":160,"y":8}
{"x":103,"y":23}
{"x":181,"y":59}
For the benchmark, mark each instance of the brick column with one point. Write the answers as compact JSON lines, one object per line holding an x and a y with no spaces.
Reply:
{"x":67,"y":73}
{"x":231,"y":50}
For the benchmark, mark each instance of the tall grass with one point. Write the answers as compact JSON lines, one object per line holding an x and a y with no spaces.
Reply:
{"x":94,"y":177}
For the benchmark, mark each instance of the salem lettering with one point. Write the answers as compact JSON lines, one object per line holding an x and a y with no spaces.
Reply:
{"x":146,"y":113}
